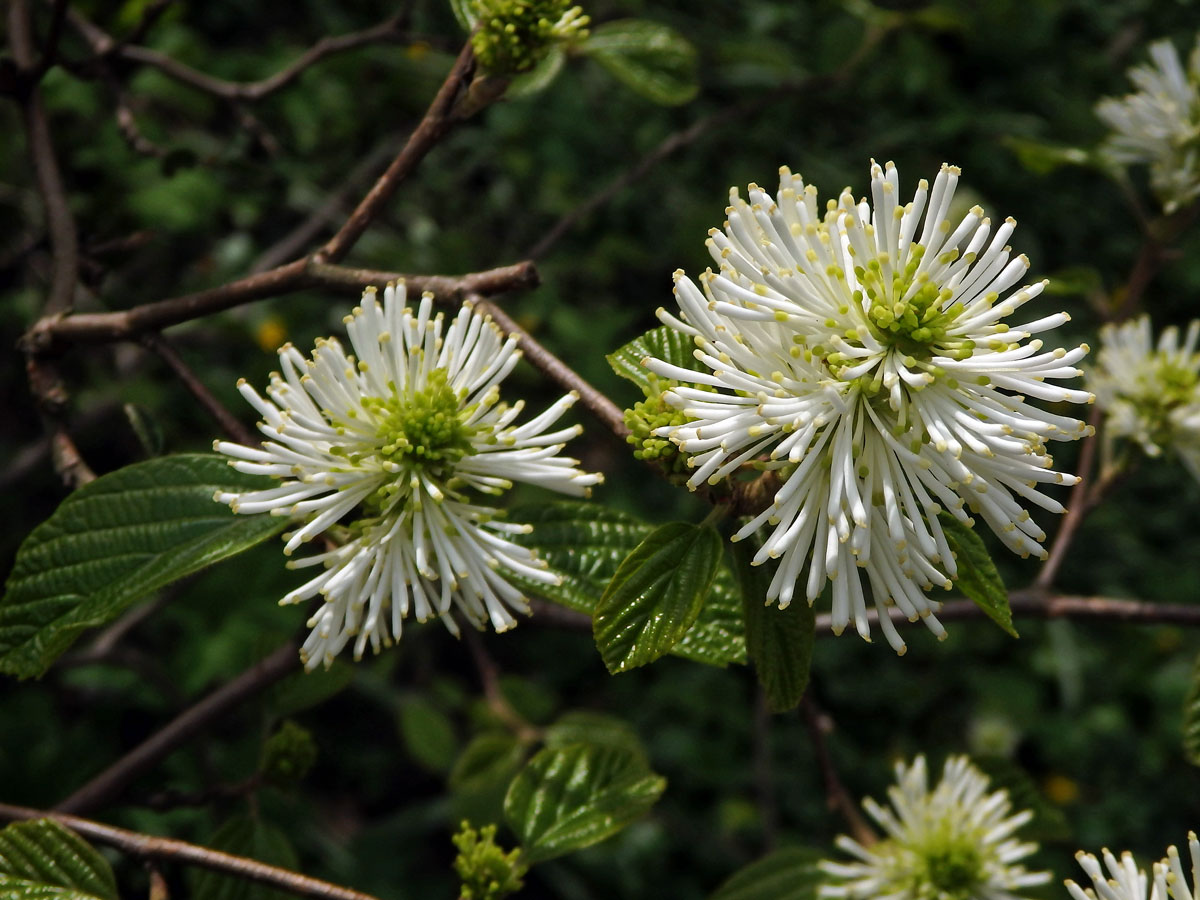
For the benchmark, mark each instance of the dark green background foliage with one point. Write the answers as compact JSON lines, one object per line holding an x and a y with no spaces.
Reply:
{"x":1089,"y":713}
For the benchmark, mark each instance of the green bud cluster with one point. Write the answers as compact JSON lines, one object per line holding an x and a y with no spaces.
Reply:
{"x":512,"y":36}
{"x":288,"y":755}
{"x":486,"y":871}
{"x":653,"y":413}
{"x":425,"y":428}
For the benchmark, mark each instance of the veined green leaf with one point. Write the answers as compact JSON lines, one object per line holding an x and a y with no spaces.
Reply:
{"x":114,"y":541}
{"x":977,"y":575}
{"x":787,"y":874}
{"x":43,"y":860}
{"x":582,"y":726}
{"x":662,"y":343}
{"x":778,"y":641}
{"x":718,"y":637}
{"x":571,"y":797}
{"x":656,"y":595}
{"x":585,"y":543}
{"x":649,"y":58}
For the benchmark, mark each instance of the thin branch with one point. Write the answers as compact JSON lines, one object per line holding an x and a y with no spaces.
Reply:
{"x":108,"y":784}
{"x":438,"y":119}
{"x":60,"y":222}
{"x":294,"y":276}
{"x":1081,"y":504}
{"x":1027,"y":604}
{"x":1036,"y":604}
{"x":489,"y":679}
{"x":229,"y":423}
{"x":149,"y":847}
{"x":611,"y":415}
{"x":105,"y":46}
{"x":302,"y":236}
{"x":837,"y":798}
{"x":522,"y":276}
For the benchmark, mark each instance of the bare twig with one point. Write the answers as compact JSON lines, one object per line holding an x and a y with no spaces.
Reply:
{"x":520,"y":276}
{"x":149,"y":847}
{"x":108,"y":784}
{"x":592,"y":400}
{"x":489,"y":678}
{"x":59,"y":220}
{"x":1037,"y":604}
{"x":105,"y":46}
{"x":1029,"y":604}
{"x":303,"y":235}
{"x":438,"y":119}
{"x":289,"y":278}
{"x":837,"y":798}
{"x":220,"y":413}
{"x":1081,"y":503}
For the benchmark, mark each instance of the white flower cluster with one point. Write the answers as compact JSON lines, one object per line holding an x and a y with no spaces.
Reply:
{"x":1151,"y":393}
{"x":860,"y":350}
{"x":379,"y":451}
{"x":1126,"y":881}
{"x":952,"y":843}
{"x":1159,"y":124}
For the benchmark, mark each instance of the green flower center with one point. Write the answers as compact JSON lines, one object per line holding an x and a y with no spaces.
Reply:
{"x":915,"y":325}
{"x":1157,"y":395}
{"x":426,"y":428}
{"x":950,"y":870}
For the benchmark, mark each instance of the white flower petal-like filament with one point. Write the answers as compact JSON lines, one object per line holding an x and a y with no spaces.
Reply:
{"x":1150,"y":392}
{"x":1157,"y":124}
{"x":954,"y":841}
{"x":383,"y":445}
{"x":860,"y":353}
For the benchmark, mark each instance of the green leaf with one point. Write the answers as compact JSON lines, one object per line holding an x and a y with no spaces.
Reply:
{"x":244,"y":835}
{"x":489,"y":759}
{"x":42,"y":860}
{"x":427,"y":733}
{"x":977,"y":575}
{"x":540,"y":77}
{"x":778,"y":641}
{"x":662,"y":343}
{"x":482,"y":774}
{"x":719,"y":636}
{"x":571,"y":797}
{"x":1191,"y":718}
{"x":304,"y":690}
{"x":596,"y":729}
{"x":1041,"y":158}
{"x":1075,"y":281}
{"x":114,"y":541}
{"x":647,"y":57}
{"x":656,"y":595}
{"x":583,"y":543}
{"x":787,"y":874}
